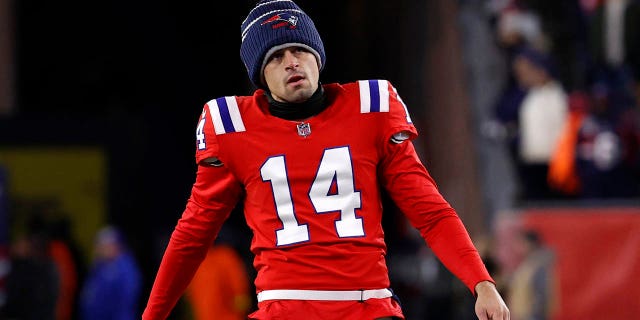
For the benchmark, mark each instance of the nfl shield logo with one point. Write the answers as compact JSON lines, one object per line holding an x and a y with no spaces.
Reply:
{"x":304,"y":129}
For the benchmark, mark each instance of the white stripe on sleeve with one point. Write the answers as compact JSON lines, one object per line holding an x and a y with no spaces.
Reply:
{"x":234,"y":112}
{"x":383,"y":88}
{"x":214,"y":112}
{"x":365,"y":97}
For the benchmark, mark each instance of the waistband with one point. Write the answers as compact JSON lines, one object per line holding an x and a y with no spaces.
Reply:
{"x":324,"y":295}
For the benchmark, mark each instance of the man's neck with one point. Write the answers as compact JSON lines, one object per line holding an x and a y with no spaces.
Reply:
{"x":298,"y":111}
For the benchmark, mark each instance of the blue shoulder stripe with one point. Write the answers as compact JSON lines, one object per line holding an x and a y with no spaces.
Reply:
{"x":225,"y":115}
{"x":374,"y":96}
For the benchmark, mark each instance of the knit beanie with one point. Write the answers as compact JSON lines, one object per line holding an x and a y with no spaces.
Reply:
{"x":273,"y":25}
{"x":539,"y":59}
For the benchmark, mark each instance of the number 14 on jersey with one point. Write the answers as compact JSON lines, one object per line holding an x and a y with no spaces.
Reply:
{"x":335,"y":168}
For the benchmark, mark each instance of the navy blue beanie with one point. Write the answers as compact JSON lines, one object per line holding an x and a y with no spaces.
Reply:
{"x":540,"y":59}
{"x":273,"y":25}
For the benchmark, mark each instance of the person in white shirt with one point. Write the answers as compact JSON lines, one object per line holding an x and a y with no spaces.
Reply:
{"x":542,"y":115}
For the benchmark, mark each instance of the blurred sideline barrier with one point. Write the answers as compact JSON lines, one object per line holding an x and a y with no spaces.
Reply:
{"x":597,"y":256}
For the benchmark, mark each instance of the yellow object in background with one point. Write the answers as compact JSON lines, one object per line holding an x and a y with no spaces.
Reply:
{"x":74,"y":178}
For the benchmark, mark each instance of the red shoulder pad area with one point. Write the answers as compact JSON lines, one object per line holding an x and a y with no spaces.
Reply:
{"x":380,"y":96}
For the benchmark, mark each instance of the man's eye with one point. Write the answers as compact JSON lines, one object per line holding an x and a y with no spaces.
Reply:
{"x":276,"y":56}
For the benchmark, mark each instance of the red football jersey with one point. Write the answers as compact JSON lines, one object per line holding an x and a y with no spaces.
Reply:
{"x":313,"y":197}
{"x":311,"y":192}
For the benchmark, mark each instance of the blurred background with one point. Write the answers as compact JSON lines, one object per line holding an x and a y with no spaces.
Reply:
{"x":528,"y":119}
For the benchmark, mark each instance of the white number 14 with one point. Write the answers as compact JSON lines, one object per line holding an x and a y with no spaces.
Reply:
{"x":335,"y":167}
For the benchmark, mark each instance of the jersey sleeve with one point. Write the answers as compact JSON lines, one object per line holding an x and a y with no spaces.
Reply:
{"x":213,"y":196}
{"x":381,"y":97}
{"x":206,"y":143}
{"x":400,"y":126}
{"x":415,"y":193}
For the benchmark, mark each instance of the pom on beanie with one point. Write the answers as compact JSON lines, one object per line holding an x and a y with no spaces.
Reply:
{"x":273,"y":25}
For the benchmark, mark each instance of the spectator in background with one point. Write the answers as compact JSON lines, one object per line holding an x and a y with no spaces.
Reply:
{"x":615,"y":36}
{"x":607,"y":152}
{"x":65,"y":253}
{"x":615,"y":42}
{"x":563,"y":175}
{"x":564,"y":26}
{"x":69,"y":260}
{"x":33,"y":281}
{"x":220,"y":289}
{"x":541,"y":118}
{"x":516,"y":27}
{"x":113,"y":286}
{"x":68,"y":279}
{"x":532,"y":291}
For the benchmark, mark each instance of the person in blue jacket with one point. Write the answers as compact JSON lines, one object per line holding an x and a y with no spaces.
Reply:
{"x":113,"y":286}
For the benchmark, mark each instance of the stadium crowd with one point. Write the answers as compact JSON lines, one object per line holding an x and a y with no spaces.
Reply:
{"x":567,"y":108}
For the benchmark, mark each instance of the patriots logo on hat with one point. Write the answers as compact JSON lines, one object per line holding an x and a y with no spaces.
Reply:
{"x":282,"y":20}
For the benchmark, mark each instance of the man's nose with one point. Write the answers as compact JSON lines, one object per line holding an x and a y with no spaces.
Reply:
{"x":290,"y":59}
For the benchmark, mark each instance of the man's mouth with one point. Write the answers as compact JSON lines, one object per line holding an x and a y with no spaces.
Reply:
{"x":294,"y":79}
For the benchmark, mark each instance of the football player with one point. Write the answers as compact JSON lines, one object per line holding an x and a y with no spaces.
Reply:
{"x":309,"y":162}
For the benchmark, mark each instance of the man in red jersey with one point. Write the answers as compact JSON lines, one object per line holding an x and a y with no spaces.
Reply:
{"x":309,"y":162}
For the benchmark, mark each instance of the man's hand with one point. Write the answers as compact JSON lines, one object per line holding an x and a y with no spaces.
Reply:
{"x":489,"y":305}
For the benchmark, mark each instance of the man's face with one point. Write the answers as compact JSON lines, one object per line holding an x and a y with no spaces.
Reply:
{"x":292,"y":74}
{"x":107,"y":250}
